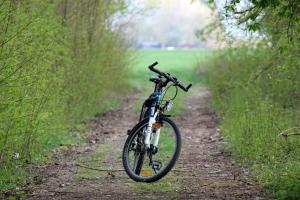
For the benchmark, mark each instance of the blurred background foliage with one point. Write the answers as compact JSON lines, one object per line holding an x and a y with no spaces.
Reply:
{"x":57,"y":62}
{"x":256,"y":89}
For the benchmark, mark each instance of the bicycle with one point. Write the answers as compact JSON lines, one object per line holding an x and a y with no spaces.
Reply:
{"x":153,"y":145}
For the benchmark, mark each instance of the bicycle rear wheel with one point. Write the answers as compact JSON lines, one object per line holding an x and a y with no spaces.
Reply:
{"x":149,"y":165}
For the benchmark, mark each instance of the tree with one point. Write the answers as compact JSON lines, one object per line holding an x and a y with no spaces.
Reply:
{"x":276,"y":18}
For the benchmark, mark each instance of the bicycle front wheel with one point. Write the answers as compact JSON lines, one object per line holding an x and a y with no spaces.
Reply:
{"x":151,"y":164}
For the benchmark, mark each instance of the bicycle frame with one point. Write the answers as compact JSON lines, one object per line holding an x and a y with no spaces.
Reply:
{"x":152,"y":113}
{"x":153,"y":107}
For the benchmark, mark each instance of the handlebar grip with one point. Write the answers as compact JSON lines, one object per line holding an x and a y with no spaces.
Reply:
{"x":152,"y":65}
{"x":188,"y":87}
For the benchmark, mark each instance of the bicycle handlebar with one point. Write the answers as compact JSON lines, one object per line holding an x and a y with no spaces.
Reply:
{"x":151,"y":67}
{"x":169,"y":77}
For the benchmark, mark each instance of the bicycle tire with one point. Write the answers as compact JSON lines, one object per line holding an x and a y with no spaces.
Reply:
{"x":167,"y":168}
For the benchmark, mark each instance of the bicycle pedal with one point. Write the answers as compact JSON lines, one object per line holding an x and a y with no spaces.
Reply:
{"x":156,"y":165}
{"x":128,"y":131}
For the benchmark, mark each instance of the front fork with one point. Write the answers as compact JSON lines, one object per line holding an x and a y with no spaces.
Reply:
{"x":149,"y":130}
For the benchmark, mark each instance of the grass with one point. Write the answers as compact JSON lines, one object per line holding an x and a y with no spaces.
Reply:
{"x":14,"y":175}
{"x":180,"y":63}
{"x":169,"y":184}
{"x":11,"y":177}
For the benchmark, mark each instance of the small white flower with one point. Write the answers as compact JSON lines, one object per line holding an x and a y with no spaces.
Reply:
{"x":16,"y":156}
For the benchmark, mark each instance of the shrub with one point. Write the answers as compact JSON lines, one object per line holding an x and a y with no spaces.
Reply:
{"x":257,"y":92}
{"x":60,"y":62}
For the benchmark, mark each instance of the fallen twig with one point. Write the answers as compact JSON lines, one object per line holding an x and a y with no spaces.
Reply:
{"x":286,"y":134}
{"x":97,"y":169}
{"x":290,"y":134}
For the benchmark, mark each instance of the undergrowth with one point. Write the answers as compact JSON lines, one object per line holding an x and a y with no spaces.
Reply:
{"x":256,"y":91}
{"x":61,"y":62}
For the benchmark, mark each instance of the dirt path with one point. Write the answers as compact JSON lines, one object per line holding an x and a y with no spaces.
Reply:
{"x":204,"y":170}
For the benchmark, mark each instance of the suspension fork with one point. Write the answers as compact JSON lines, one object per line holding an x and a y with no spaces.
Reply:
{"x":156,"y":137}
{"x":149,"y":129}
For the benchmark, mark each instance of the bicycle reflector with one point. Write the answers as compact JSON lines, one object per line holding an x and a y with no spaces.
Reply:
{"x":147,"y":173}
{"x":156,"y":125}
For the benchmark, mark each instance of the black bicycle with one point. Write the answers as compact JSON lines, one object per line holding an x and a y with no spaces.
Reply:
{"x":154,"y":144}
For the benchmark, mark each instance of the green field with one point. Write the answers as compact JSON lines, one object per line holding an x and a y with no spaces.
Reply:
{"x":180,"y":63}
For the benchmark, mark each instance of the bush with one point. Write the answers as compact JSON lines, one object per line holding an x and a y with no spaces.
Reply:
{"x":257,"y":92}
{"x":60,"y":62}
